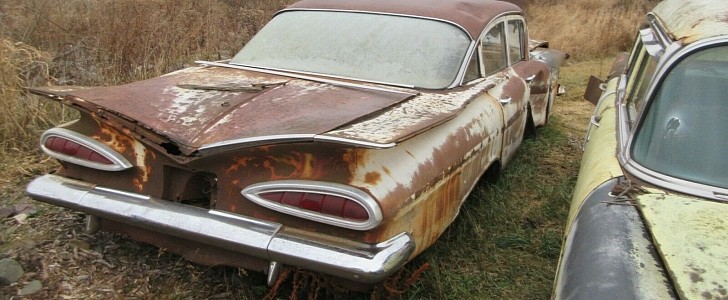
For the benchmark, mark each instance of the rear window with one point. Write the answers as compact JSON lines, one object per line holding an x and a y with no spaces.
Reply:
{"x":683,"y":133}
{"x":386,"y":48}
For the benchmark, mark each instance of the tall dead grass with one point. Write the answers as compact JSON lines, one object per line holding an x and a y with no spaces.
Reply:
{"x":111,"y":41}
{"x":587,"y":29}
{"x":22,"y":65}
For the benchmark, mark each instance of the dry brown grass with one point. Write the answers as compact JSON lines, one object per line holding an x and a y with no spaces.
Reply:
{"x":111,"y":42}
{"x":22,"y":65}
{"x":587,"y":28}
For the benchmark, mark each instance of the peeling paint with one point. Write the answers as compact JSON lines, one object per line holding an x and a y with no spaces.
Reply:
{"x":417,"y":114}
{"x":187,"y":105}
{"x":690,"y":235}
{"x":689,"y":20}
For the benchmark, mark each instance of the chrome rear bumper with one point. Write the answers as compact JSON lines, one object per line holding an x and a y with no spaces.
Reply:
{"x":359,"y":262}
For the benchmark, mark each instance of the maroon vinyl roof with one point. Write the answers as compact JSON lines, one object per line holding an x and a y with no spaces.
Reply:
{"x":473,"y":15}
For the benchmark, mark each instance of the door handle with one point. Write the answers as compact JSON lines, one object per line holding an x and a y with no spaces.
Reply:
{"x":530,"y":79}
{"x":595,"y":120}
{"x":505,"y":100}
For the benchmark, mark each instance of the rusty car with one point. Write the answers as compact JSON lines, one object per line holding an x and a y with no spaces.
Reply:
{"x":342,"y":138}
{"x":649,"y":214}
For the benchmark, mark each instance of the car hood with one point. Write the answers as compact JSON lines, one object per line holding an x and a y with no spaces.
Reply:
{"x":202,"y":106}
{"x":690,"y":234}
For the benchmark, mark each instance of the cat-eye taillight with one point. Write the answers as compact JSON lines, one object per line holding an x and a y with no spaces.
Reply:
{"x":325,"y":202}
{"x":75,"y":148}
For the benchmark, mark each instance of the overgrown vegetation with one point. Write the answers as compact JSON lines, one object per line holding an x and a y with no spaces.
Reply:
{"x":505,"y":243}
{"x":587,"y":28}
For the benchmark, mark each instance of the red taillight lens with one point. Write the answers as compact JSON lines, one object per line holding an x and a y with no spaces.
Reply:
{"x":321,"y":203}
{"x":71,"y":148}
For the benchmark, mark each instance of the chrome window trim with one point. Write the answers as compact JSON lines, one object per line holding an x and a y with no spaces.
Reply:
{"x":623,"y":129}
{"x":524,"y":43}
{"x":299,"y":75}
{"x":654,"y":47}
{"x":288,"y":138}
{"x":377,"y":13}
{"x":500,"y":19}
{"x":257,"y":141}
{"x":352,"y":142}
{"x":626,"y":137}
{"x":306,"y":186}
{"x":120,"y":163}
{"x":473,"y":49}
{"x":661,"y":33}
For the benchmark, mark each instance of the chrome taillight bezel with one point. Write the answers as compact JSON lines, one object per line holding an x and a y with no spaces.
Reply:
{"x":362,"y":198}
{"x":118,"y":162}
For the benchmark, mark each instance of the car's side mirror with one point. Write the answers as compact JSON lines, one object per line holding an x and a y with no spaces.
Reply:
{"x":595,"y":86}
{"x":593,"y":90}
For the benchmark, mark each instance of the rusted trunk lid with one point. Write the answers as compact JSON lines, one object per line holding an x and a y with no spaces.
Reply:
{"x":202,"y":106}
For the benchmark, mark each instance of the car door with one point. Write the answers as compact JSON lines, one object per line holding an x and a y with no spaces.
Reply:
{"x":536,"y":74}
{"x":509,"y":89}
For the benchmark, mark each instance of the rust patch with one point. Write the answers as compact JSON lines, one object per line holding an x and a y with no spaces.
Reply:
{"x":306,"y":161}
{"x":299,"y":165}
{"x":123,"y":143}
{"x":108,"y":135}
{"x":372,"y":178}
{"x":438,"y":187}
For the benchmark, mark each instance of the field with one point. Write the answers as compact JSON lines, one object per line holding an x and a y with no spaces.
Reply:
{"x":504,"y":245}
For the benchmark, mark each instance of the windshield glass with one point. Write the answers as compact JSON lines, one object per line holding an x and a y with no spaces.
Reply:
{"x":683,"y":133}
{"x":385,"y":48}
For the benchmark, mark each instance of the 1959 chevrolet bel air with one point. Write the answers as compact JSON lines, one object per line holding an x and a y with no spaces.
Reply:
{"x":649,"y":215}
{"x":343,"y":138}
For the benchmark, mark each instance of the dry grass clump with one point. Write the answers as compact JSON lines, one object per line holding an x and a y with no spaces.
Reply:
{"x":587,"y":28}
{"x":110,"y":42}
{"x":22,"y":65}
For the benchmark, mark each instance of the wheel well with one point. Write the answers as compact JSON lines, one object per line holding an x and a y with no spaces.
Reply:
{"x":530,"y":130}
{"x":492,"y":173}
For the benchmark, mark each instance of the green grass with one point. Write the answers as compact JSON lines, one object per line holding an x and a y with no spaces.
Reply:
{"x":506,"y":241}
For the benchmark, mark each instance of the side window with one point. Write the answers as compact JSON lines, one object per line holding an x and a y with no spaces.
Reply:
{"x":642,"y":68}
{"x":493,"y":47}
{"x":472,"y":72}
{"x":683,"y":131}
{"x":515,"y":41}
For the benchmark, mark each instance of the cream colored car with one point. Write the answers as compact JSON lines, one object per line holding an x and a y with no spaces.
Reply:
{"x":649,"y":218}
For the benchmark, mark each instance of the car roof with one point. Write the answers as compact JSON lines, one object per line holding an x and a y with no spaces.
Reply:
{"x":472,"y":15}
{"x":692,"y":20}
